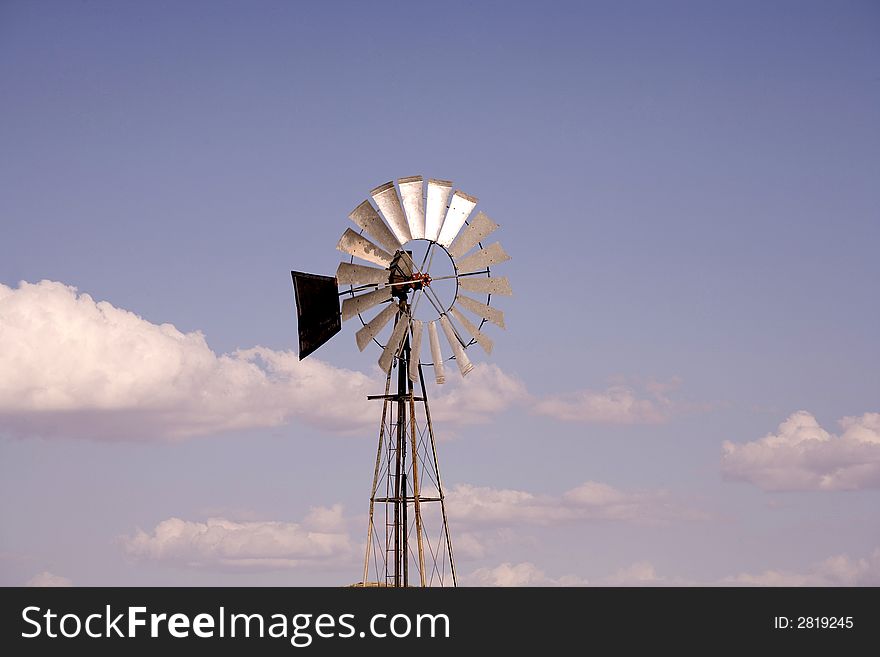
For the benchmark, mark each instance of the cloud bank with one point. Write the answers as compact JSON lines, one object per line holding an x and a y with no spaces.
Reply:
{"x":801,"y":455}
{"x":840,"y":570}
{"x":591,"y":501}
{"x":526,"y":573}
{"x":47,"y":579}
{"x":618,"y":404}
{"x":520,"y":574}
{"x":86,"y":369}
{"x":223,"y":544}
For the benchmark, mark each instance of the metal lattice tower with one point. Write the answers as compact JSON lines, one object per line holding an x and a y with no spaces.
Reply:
{"x":407,"y":500}
{"x":408,"y":538}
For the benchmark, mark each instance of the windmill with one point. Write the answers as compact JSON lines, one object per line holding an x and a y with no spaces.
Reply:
{"x":427,"y":265}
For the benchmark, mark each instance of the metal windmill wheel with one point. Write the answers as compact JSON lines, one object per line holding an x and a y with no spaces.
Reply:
{"x":427,"y":256}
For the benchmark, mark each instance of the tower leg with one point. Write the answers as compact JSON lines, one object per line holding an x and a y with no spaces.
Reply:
{"x":439,"y":482}
{"x":399,"y":529}
{"x":417,"y":505}
{"x":371,"y":526}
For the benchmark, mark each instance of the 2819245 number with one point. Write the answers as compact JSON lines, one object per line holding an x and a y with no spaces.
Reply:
{"x":813,"y":623}
{"x":824,"y":622}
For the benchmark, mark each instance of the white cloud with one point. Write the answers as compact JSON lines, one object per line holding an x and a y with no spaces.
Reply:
{"x":326,"y":519}
{"x":618,"y":404}
{"x":520,"y":574}
{"x":591,"y":501}
{"x":47,"y":579}
{"x":641,"y":573}
{"x":87,"y":369}
{"x":486,"y":391}
{"x":80,"y":368}
{"x":840,"y":570}
{"x":469,"y":545}
{"x":526,"y":573}
{"x":219,"y":543}
{"x":801,"y":455}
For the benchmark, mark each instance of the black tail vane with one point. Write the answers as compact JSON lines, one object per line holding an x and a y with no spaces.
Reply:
{"x":317,"y":310}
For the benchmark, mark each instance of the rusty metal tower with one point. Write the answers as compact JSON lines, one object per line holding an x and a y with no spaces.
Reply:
{"x":429,"y":253}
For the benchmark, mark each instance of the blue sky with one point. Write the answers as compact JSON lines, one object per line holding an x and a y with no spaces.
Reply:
{"x":688,"y":192}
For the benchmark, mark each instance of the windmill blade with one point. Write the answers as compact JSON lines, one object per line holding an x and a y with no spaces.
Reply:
{"x":392,"y":349}
{"x":388,"y":201}
{"x":478,"y":229}
{"x":413,"y":205}
{"x":435,"y":211}
{"x":489,"y":285}
{"x":415,"y":350}
{"x":372,"y":328}
{"x":491,"y":255}
{"x":459,"y":210}
{"x":481,"y":310}
{"x":436,"y":354}
{"x":360,"y":247}
{"x":356,"y":305}
{"x":481,"y":338}
{"x":461,"y":359}
{"x":366,"y":217}
{"x":349,"y":274}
